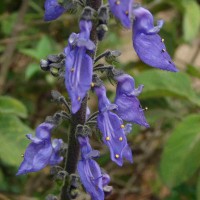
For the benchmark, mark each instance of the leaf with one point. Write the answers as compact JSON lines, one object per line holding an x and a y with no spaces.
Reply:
{"x":31,"y":70}
{"x":13,"y":140}
{"x":7,"y":22}
{"x":191,"y":20}
{"x":10,"y":105}
{"x":159,"y":83}
{"x":193,"y":71}
{"x":43,"y":48}
{"x":180,"y":158}
{"x":198,"y":188}
{"x":30,"y":52}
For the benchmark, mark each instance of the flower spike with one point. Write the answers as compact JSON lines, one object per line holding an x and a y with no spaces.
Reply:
{"x":148,"y":45}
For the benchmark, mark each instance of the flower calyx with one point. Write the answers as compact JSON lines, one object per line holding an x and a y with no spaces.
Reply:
{"x":97,"y":81}
{"x":87,"y":14}
{"x":103,"y":17}
{"x":54,"y":63}
{"x":83,"y":131}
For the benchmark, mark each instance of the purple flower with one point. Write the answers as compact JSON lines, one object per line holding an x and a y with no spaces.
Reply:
{"x":79,"y":64}
{"x":148,"y":45}
{"x":112,"y":128}
{"x":121,"y":9}
{"x":89,"y":171}
{"x":41,"y":151}
{"x":129,"y":108}
{"x":53,"y":10}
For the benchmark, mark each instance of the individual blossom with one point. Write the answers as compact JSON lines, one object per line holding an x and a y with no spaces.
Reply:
{"x":121,"y":9}
{"x":112,"y":128}
{"x":41,"y":151}
{"x":129,"y":108}
{"x":79,"y":65}
{"x":148,"y":45}
{"x":89,"y":171}
{"x":53,"y":10}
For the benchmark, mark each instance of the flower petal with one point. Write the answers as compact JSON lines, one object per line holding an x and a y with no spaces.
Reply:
{"x":55,"y":156}
{"x":53,"y":10}
{"x":89,"y":171}
{"x":129,"y":109}
{"x":113,"y":135}
{"x":78,"y":76}
{"x":39,"y":151}
{"x":121,"y":9}
{"x":43,"y":130}
{"x":148,"y":45}
{"x":127,"y":153}
{"x":90,"y":175}
{"x":36,"y":157}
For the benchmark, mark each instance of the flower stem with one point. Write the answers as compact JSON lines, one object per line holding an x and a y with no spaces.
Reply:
{"x":78,"y":118}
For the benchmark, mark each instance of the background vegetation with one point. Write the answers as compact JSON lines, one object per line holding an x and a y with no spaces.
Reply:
{"x":167,"y":155}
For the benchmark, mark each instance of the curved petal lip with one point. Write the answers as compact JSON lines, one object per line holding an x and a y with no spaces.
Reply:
{"x":52,"y":10}
{"x":152,"y":51}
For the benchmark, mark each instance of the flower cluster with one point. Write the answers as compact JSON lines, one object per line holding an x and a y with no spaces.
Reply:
{"x":114,"y":120}
{"x":148,"y":45}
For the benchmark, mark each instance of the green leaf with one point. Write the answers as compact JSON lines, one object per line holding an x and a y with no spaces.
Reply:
{"x":31,"y":70}
{"x":13,"y":140}
{"x":191,"y":19}
{"x":198,"y":188}
{"x":10,"y":105}
{"x":44,"y":47}
{"x":159,"y":83}
{"x":193,"y":71}
{"x":180,"y":158}
{"x":7,"y":22}
{"x":30,"y":52}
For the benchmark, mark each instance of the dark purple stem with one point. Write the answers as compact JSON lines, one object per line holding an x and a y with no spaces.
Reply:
{"x":78,"y":118}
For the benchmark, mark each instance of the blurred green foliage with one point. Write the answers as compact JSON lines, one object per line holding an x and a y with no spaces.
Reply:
{"x":172,"y":101}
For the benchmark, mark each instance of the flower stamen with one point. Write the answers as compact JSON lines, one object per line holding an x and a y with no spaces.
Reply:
{"x":72,"y":69}
{"x":107,"y":138}
{"x":117,"y":156}
{"x":117,"y":2}
{"x":92,"y":84}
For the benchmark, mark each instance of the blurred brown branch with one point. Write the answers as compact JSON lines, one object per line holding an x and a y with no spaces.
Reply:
{"x":6,"y":58}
